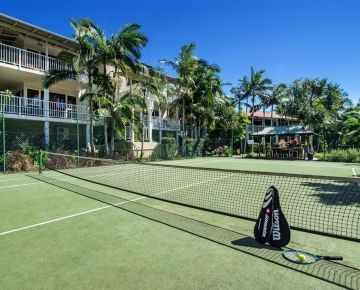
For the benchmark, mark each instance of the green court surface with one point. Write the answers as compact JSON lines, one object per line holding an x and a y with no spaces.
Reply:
{"x":57,"y":231}
{"x":273,"y":165}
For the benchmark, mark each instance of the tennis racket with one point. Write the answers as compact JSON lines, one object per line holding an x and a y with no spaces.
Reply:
{"x":301,"y":257}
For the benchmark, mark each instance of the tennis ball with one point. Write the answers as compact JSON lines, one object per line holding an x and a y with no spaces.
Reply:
{"x":302,"y":258}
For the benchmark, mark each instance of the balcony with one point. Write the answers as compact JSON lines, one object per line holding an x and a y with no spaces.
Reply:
{"x":164,"y":124}
{"x":257,"y":128}
{"x":30,"y":60}
{"x":19,"y":107}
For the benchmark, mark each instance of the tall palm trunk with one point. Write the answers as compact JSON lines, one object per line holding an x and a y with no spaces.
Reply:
{"x":183,"y":126}
{"x":92,"y":142}
{"x":106,"y":141}
{"x":91,"y":105}
{"x":143,"y":130}
{"x":253,"y":119}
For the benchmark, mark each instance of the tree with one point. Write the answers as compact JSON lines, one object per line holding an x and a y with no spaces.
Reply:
{"x":121,"y":53}
{"x":207,"y":95}
{"x":185,"y":65}
{"x":152,"y":83}
{"x":83,"y":64}
{"x":259,"y":87}
{"x":242,"y":93}
{"x":316,"y":103}
{"x":275,"y":97}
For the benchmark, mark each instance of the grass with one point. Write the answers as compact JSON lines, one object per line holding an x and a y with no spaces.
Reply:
{"x":144,"y":247}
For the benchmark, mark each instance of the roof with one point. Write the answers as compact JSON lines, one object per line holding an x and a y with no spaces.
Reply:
{"x":267,"y":115}
{"x":284,"y":130}
{"x":28,"y":29}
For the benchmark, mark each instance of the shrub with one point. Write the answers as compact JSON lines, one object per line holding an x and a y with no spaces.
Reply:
{"x":61,"y":162}
{"x":340,"y":155}
{"x":227,"y":151}
{"x":168,"y":148}
{"x":189,"y":147}
{"x":199,"y":147}
{"x":18,"y":161}
{"x":219,"y":151}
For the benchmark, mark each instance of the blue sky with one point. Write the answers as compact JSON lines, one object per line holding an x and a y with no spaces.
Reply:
{"x":289,"y":39}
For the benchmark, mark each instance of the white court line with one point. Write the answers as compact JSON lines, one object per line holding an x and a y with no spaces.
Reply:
{"x":354,"y":172}
{"x":13,"y":179}
{"x":105,"y":207}
{"x":355,"y":175}
{"x":16,"y":185}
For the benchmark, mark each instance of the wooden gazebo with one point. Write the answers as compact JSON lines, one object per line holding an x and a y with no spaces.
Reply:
{"x":291,"y":142}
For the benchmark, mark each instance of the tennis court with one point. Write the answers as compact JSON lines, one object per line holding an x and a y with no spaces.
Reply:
{"x":60,"y":229}
{"x":273,"y":165}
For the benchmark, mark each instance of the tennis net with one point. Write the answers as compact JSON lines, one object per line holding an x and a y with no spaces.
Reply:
{"x":318,"y":204}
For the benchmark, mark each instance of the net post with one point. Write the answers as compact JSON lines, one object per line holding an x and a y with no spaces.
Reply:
{"x":40,"y":161}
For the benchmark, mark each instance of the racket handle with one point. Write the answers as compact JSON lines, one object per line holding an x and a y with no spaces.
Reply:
{"x":333,"y":258}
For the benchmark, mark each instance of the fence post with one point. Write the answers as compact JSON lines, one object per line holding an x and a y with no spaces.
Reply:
{"x":232,"y":141}
{"x":3,"y":136}
{"x":77,"y":139}
{"x":40,"y":161}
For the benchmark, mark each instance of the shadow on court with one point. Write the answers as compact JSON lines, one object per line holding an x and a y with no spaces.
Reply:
{"x":336,"y":194}
{"x":332,"y":272}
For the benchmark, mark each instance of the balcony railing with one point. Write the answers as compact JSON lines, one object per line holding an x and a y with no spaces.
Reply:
{"x":30,"y":60}
{"x":165,"y":124}
{"x":257,"y":128}
{"x":39,"y":108}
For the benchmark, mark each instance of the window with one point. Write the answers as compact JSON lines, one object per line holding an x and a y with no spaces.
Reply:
{"x":32,"y":94}
{"x":33,"y":98}
{"x":58,"y":98}
{"x":58,"y":101}
{"x":71,"y":100}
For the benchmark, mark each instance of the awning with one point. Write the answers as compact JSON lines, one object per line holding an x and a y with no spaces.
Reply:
{"x":283,"y":130}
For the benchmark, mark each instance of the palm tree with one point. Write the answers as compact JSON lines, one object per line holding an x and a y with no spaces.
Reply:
{"x":207,"y":94}
{"x":242,"y":93}
{"x":83,"y":63}
{"x":276,"y":96}
{"x":121,"y":52}
{"x":152,"y":82}
{"x":259,"y":87}
{"x":185,"y":65}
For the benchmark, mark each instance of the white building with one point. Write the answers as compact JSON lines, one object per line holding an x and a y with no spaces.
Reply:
{"x":27,"y":53}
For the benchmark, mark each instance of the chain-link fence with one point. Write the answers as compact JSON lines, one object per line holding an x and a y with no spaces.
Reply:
{"x":22,"y":137}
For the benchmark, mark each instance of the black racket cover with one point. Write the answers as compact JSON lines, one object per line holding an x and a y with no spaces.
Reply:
{"x":271,"y":226}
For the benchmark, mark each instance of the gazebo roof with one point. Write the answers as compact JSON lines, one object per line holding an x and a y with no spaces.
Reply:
{"x":284,"y":130}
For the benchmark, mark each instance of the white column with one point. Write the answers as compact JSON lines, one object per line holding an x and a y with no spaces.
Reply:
{"x":150,"y":109}
{"x":46,"y":123}
{"x":165,"y":114}
{"x":47,"y":134}
{"x":150,"y":124}
{"x":160,"y":125}
{"x":47,"y":56}
{"x":46,"y":103}
{"x":88,"y":145}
